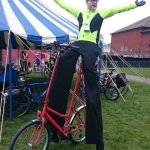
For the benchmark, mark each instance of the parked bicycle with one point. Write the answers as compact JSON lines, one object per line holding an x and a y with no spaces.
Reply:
{"x":23,"y":97}
{"x":119,"y":81}
{"x":110,"y":91}
{"x":36,"y":134}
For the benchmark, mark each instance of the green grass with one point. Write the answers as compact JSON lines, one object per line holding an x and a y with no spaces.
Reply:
{"x":143,"y":71}
{"x":35,"y":76}
{"x":126,"y":124}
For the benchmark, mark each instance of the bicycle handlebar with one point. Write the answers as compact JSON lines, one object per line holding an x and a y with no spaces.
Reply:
{"x":65,"y":45}
{"x":111,"y":71}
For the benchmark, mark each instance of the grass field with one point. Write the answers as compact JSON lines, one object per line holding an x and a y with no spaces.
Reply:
{"x":143,"y":71}
{"x":126,"y":124}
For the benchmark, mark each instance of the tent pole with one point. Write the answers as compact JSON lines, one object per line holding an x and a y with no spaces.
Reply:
{"x":1,"y":57}
{"x":10,"y":76}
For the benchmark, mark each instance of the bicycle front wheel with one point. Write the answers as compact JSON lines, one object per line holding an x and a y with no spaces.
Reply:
{"x":111,"y":93}
{"x":26,"y":136}
{"x":77,"y":125}
{"x":20,"y":104}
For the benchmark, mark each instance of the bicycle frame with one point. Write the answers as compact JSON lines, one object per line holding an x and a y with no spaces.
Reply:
{"x":46,"y":111}
{"x":28,"y":86}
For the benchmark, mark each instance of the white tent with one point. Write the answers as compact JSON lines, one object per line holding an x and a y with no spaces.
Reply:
{"x":31,"y":20}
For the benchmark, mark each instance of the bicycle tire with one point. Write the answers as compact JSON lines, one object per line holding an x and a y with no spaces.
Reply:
{"x":77,"y":125}
{"x":23,"y":141}
{"x":111,"y":93}
{"x":124,"y":90}
{"x":20,"y":104}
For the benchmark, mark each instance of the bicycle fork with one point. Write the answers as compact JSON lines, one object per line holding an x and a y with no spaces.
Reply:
{"x":37,"y":130}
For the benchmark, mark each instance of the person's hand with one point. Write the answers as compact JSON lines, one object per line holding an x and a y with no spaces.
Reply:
{"x":140,"y":2}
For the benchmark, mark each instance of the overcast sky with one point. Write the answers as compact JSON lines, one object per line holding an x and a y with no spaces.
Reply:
{"x":113,"y":23}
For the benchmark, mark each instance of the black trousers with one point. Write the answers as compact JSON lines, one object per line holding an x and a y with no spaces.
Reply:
{"x":60,"y":89}
{"x":24,"y":65}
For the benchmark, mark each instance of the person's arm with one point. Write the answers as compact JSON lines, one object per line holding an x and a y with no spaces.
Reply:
{"x":70,"y":9}
{"x":110,"y":12}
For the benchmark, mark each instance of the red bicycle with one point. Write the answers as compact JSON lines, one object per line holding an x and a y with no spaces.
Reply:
{"x":36,"y":134}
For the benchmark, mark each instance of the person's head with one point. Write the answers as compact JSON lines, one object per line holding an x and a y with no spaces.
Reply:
{"x":92,"y":4}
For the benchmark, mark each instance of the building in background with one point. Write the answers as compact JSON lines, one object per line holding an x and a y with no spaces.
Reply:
{"x":133,"y":40}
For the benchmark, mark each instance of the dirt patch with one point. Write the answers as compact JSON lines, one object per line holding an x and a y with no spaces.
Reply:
{"x":138,"y":79}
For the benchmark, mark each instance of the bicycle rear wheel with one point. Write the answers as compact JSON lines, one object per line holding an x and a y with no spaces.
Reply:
{"x":20,"y":103}
{"x":77,"y":125}
{"x":124,"y":90}
{"x":24,"y":104}
{"x":26,"y":136}
{"x":111,"y":93}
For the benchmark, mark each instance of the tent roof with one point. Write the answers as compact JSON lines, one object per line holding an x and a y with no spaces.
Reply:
{"x":31,"y":20}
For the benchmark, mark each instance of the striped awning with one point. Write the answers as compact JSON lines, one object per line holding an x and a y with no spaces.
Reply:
{"x":33,"y":23}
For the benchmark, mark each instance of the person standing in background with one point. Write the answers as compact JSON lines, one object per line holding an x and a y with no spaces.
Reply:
{"x":24,"y":61}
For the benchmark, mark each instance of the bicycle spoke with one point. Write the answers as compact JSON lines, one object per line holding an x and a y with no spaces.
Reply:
{"x":26,"y":137}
